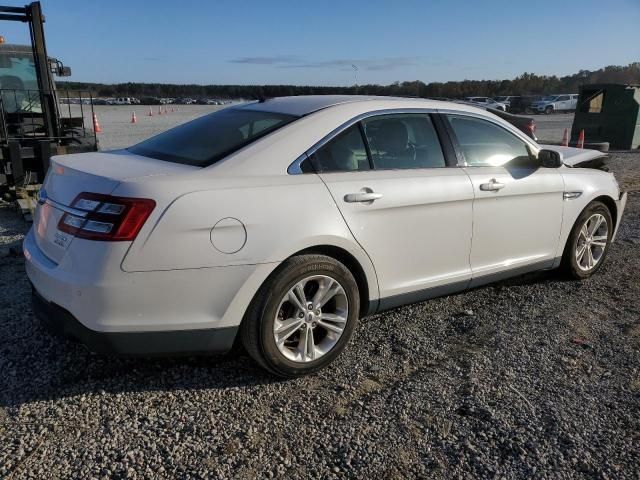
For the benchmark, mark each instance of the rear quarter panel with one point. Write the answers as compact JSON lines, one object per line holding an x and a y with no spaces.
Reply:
{"x":281,"y":215}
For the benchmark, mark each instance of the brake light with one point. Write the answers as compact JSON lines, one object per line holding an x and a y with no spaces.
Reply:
{"x":106,"y":218}
{"x":531,"y":126}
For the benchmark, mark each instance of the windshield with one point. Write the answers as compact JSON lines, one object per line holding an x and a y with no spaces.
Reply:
{"x":206,"y":140}
{"x":549,"y":98}
{"x":501,"y":99}
{"x":18,"y":80}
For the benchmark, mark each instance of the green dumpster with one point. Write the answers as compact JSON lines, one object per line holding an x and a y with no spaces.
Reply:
{"x":608,"y":112}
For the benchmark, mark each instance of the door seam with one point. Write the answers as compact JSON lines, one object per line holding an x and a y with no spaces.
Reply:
{"x":377,"y":301}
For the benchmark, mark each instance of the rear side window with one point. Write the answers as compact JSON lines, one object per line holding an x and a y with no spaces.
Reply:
{"x":403,"y":141}
{"x":208,"y":139}
{"x":344,"y":153}
{"x":485,"y":144}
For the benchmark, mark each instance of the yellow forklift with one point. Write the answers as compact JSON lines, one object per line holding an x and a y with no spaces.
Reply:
{"x":36,"y":120}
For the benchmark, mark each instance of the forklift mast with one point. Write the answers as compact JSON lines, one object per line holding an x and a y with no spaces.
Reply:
{"x":33,"y":123}
{"x":32,"y":15}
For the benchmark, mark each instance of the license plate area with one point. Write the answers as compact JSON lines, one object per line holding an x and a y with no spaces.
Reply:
{"x":50,"y":240}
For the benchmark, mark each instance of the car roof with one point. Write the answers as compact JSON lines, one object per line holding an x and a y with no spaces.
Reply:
{"x":302,"y":105}
{"x":350,"y":105}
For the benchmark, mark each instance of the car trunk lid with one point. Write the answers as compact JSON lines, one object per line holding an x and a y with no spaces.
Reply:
{"x":95,"y":172}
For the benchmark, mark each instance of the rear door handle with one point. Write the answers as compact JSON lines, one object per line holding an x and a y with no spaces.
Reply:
{"x":492,"y":186}
{"x":362,"y":197}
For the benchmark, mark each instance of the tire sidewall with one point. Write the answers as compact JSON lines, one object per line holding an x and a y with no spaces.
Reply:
{"x":282,"y":283}
{"x":570,"y":258}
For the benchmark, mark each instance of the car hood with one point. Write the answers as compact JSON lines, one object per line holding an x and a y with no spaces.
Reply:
{"x":576,"y":157}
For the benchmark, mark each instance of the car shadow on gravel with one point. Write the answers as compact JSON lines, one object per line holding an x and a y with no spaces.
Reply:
{"x":63,"y":368}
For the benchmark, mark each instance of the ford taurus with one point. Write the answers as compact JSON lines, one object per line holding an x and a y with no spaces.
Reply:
{"x":280,"y":223}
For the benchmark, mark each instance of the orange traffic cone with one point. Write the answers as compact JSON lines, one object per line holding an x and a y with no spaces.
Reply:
{"x":133,"y":118}
{"x":96,"y":125}
{"x":581,"y":139}
{"x":565,"y":138}
{"x":150,"y":112}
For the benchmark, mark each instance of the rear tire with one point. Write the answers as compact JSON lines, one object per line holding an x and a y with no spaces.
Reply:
{"x":589,"y":241}
{"x":286,"y":337}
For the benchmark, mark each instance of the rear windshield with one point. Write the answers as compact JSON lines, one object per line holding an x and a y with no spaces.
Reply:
{"x":205,"y":140}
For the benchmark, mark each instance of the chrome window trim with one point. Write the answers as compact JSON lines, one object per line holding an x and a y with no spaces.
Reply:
{"x":294,"y":168}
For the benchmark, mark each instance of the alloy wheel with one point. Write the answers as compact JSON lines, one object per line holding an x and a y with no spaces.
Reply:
{"x":311,"y":318}
{"x":592,"y":242}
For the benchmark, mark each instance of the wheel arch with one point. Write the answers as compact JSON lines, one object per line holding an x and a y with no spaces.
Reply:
{"x":603,"y":198}
{"x":354,"y":267}
{"x":610,"y":203}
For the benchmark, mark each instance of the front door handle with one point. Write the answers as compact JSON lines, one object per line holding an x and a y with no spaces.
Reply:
{"x":492,"y":186}
{"x":362,"y":197}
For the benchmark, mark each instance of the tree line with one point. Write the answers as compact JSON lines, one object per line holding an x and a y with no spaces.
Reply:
{"x":525,"y":84}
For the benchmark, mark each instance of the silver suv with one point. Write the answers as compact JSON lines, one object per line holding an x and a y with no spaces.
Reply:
{"x":555,"y":103}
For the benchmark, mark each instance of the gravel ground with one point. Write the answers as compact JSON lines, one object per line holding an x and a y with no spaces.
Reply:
{"x":550,"y":128}
{"x":119,"y":132}
{"x":535,"y":377}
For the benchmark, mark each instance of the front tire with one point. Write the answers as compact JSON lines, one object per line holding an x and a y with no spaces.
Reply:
{"x":548,"y":110}
{"x":302,"y":317}
{"x":589,"y":241}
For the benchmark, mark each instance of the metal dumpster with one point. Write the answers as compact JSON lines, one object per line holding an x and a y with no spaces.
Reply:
{"x":608,"y":112}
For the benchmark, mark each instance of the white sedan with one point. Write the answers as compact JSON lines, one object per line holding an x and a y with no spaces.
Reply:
{"x":279,"y":223}
{"x":487,"y":102}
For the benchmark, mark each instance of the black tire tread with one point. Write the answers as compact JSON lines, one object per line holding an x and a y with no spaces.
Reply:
{"x":250,"y":328}
{"x":567,"y":267}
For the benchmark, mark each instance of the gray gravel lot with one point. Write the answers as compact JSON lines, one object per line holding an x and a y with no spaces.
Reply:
{"x":535,"y":377}
{"x":550,"y":128}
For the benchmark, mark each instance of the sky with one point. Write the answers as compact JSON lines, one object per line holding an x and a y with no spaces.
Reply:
{"x":316,"y":43}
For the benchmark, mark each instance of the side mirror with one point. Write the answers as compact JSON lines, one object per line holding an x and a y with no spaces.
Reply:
{"x":549,"y":159}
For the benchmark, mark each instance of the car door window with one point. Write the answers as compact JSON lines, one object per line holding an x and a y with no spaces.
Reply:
{"x":485,"y":144}
{"x":344,"y":153}
{"x":403,"y":141}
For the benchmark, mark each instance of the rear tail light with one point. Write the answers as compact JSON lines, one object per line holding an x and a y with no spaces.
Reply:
{"x":106,"y":218}
{"x":531,"y":126}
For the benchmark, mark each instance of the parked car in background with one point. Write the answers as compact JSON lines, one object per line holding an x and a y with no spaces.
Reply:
{"x":506,"y":99}
{"x":487,"y":102}
{"x":526,"y":125}
{"x":555,"y":103}
{"x":521,"y":103}
{"x":149,"y":101}
{"x":284,"y":221}
{"x":124,"y":101}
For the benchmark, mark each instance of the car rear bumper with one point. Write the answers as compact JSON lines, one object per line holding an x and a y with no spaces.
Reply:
{"x":112,"y":311}
{"x":61,"y":322}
